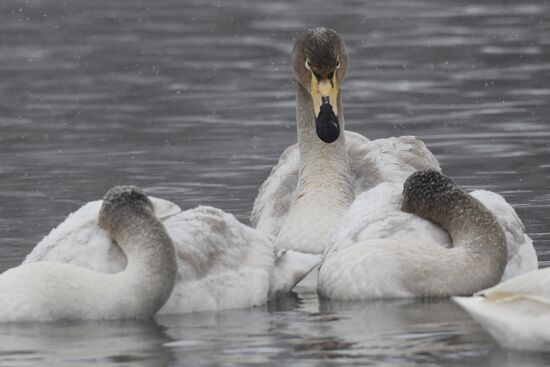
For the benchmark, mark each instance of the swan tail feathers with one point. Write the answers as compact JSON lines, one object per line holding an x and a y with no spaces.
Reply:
{"x":414,"y":152}
{"x":290,"y":268}
{"x":164,"y":208}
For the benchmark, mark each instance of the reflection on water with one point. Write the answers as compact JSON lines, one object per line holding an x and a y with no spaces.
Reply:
{"x":390,"y":333}
{"x":194,"y":102}
{"x":65,"y":344}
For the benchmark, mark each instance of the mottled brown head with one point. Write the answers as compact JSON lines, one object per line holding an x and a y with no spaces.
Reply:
{"x":121,"y":204}
{"x":430,"y":194}
{"x":319,"y":64}
{"x":324,"y":50}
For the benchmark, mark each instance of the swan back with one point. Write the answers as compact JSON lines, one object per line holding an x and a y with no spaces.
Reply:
{"x":80,"y":240}
{"x":377,"y":214}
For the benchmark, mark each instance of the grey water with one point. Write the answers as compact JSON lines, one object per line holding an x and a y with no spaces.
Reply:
{"x":194,"y":102}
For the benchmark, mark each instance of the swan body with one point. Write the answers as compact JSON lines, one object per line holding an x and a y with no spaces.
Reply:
{"x":385,"y":252}
{"x":79,"y":240}
{"x":47,"y":291}
{"x":222,"y":263}
{"x":516,"y":313}
{"x":377,"y":214}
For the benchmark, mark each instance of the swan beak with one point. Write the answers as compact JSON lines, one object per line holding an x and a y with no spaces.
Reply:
{"x":324,"y":93}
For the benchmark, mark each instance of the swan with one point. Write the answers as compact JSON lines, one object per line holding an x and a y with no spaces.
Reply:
{"x":317,"y":179}
{"x":222,"y":264}
{"x":390,"y":267}
{"x":307,"y":198}
{"x":516,"y":312}
{"x":48,"y":291}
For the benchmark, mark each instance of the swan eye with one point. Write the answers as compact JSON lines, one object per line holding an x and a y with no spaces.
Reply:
{"x":308,"y":66}
{"x":338,"y":64}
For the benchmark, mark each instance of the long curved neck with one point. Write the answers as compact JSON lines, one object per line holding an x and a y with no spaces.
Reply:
{"x":479,"y":254}
{"x":152,"y":268}
{"x":325,"y":188}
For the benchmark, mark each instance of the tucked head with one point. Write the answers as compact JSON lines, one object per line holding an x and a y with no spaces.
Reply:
{"x":429,"y":190}
{"x":121,"y":202}
{"x":319,"y":63}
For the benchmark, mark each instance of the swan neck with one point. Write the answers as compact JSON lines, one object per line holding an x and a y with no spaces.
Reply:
{"x":469,"y":223}
{"x":310,"y":145}
{"x":318,"y":158}
{"x":151,"y":260}
{"x":479,"y":254}
{"x":325,"y":189}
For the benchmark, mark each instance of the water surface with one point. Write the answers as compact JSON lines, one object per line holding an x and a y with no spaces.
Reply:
{"x":194,"y":101}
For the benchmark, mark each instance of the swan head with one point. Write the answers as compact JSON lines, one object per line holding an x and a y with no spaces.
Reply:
{"x":319,"y":64}
{"x":120,"y":205}
{"x":428,"y":192}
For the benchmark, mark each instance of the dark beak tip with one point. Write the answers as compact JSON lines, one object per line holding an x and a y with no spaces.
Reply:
{"x":329,"y":138}
{"x":327,"y":125}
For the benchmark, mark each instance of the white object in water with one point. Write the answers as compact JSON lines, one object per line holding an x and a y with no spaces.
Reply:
{"x":516,"y":312}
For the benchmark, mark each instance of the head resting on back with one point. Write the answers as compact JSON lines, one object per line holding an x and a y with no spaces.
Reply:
{"x":122,"y":202}
{"x":429,"y":191}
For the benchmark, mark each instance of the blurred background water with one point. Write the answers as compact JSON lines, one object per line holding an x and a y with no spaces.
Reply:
{"x":194,"y":101}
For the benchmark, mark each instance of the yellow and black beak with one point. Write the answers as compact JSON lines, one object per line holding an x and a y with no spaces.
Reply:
{"x":324,"y":92}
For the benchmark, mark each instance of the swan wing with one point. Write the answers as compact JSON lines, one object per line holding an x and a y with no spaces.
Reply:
{"x":221,"y":262}
{"x":522,"y":257}
{"x":275,"y":195}
{"x":290,"y":268}
{"x":80,"y":241}
{"x":391,"y":160}
{"x":210,"y":240}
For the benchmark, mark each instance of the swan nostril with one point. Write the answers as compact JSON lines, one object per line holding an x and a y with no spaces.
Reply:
{"x":318,"y":76}
{"x":325,"y":100}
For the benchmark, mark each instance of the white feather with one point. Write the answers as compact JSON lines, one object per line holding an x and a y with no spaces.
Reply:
{"x":516,"y":312}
